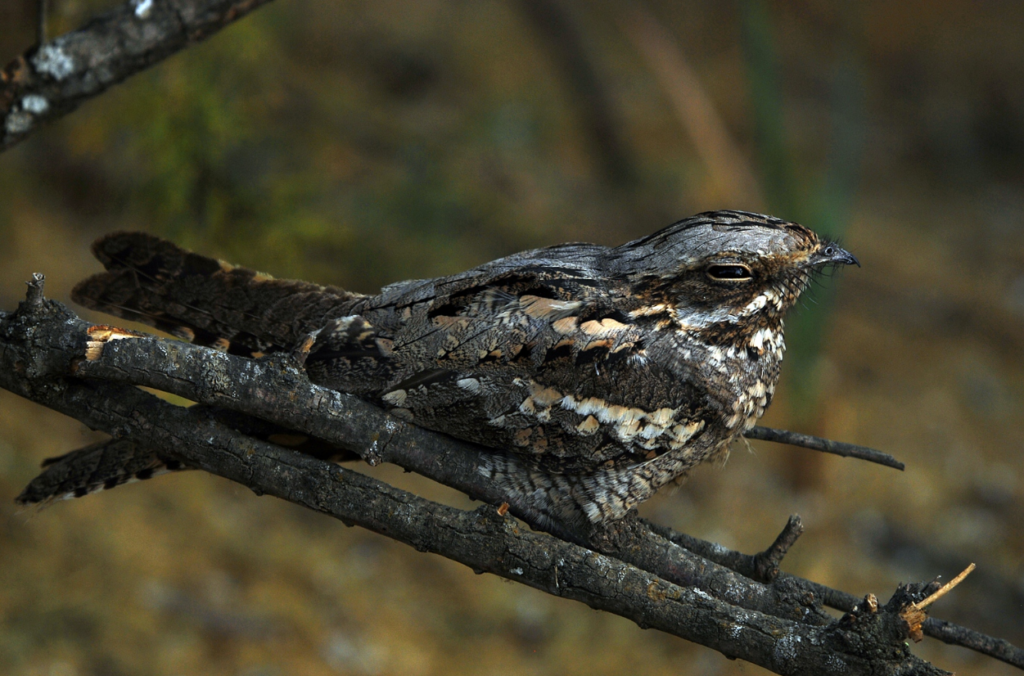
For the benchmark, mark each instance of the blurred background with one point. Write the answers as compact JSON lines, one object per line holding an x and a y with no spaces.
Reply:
{"x":358,"y":143}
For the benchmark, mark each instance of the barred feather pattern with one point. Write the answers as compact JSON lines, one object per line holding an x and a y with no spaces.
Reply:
{"x":97,"y":467}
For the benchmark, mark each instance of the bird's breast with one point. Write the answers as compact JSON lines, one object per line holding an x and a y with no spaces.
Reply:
{"x":740,"y":377}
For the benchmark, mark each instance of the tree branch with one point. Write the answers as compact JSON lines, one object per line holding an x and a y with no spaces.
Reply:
{"x":274,"y":389}
{"x":53,"y":78}
{"x":778,"y":626}
{"x":840,"y":448}
{"x":947,"y":632}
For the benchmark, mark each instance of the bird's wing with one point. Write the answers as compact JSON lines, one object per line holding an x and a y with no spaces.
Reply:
{"x":535,"y":354}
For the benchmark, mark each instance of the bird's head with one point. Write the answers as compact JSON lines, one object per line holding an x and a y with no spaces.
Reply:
{"x":725,"y":267}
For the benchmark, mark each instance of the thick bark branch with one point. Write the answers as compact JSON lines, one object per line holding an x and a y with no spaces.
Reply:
{"x":648,"y":579}
{"x":52,"y":79}
{"x":482,"y":540}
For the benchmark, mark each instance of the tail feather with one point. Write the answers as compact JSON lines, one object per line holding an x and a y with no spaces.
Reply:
{"x":205,"y":300}
{"x":116,"y":462}
{"x":94,"y":468}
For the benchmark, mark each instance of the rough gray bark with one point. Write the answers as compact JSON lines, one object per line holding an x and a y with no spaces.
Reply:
{"x":639,"y":574}
{"x":52,"y":79}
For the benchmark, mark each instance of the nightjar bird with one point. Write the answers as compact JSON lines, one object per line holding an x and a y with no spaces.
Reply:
{"x":595,"y":374}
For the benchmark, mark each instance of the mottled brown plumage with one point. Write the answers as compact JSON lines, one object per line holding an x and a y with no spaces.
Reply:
{"x":596,"y":374}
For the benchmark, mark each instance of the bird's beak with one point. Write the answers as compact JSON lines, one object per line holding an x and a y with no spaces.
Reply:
{"x":830,"y":254}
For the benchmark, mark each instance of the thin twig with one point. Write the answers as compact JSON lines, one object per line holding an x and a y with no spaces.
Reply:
{"x":955,"y":634}
{"x":825,"y":445}
{"x":34,"y":297}
{"x":767,"y":562}
{"x":913,"y":614}
{"x":945,"y":589}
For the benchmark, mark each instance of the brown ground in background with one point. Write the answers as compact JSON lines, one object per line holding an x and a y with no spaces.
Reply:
{"x":359,"y":143}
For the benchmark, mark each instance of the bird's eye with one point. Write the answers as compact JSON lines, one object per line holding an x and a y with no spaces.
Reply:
{"x":729,"y":273}
{"x":829,"y":251}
